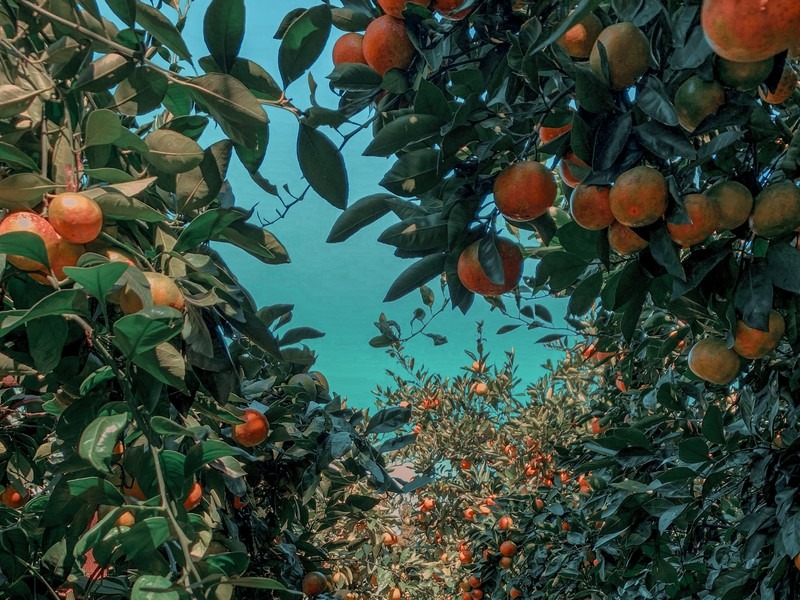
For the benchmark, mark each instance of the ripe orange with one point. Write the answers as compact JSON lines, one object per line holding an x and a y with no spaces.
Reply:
{"x":395,"y":593}
{"x":777,"y":210}
{"x":348,"y":49}
{"x":514,"y":593}
{"x":597,"y":428}
{"x":705,"y":220}
{"x":710,"y":359}
{"x":624,"y":241}
{"x":504,"y":523}
{"x":524,"y":190}
{"x":476,"y":594}
{"x":449,"y":9}
{"x":126,"y":519}
{"x":466,"y":465}
{"x":428,"y":504}
{"x":75,"y":217}
{"x":61,"y":254}
{"x":474,"y":582}
{"x":743,"y":76}
{"x":194,"y":497}
{"x":784,"y":89}
{"x":465,"y":556}
{"x":134,"y":490}
{"x":321,"y":380}
{"x":162,"y":289}
{"x":506,"y":562}
{"x":386,"y":45}
{"x":797,"y":561}
{"x":115,"y":255}
{"x":753,"y":343}
{"x":579,"y":39}
{"x":639,"y":196}
{"x":470,"y":514}
{"x":314,"y":583}
{"x":508,"y":548}
{"x":395,"y":7}
{"x":628,"y":52}
{"x":12,"y":498}
{"x":696,"y":99}
{"x":590,"y":206}
{"x":548,"y":134}
{"x":388,"y":538}
{"x":571,"y":175}
{"x":31,"y":223}
{"x":746,"y":31}
{"x":253,"y":431}
{"x":734,"y":203}
{"x":480,"y":388}
{"x":473,"y":277}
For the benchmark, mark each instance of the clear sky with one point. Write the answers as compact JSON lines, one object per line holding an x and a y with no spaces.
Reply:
{"x":339,"y":288}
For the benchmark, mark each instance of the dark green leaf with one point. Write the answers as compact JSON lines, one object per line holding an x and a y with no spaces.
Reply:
{"x":154,"y":21}
{"x":97,"y":281}
{"x":713,"y":428}
{"x":401,"y":132}
{"x":206,"y":227}
{"x":388,"y":420}
{"x":303,"y":42}
{"x":98,"y":440}
{"x":363,"y":212}
{"x":23,"y":190}
{"x":586,"y":292}
{"x":415,"y":276}
{"x":322,"y":165}
{"x":223,"y":30}
{"x":142,"y":331}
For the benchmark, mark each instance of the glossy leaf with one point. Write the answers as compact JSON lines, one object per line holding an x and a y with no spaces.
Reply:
{"x":303,"y":42}
{"x":322,"y":166}
{"x":223,"y":31}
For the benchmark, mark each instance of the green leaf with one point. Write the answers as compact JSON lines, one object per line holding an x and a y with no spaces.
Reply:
{"x":59,"y":303}
{"x":24,"y":190}
{"x":145,"y":538}
{"x":586,"y":292}
{"x":102,"y":127}
{"x":256,"y":241}
{"x":164,"y":426}
{"x":298,"y":334}
{"x":401,"y":132}
{"x":322,"y":165}
{"x":223,"y":30}
{"x":199,"y":186}
{"x":154,"y":21}
{"x":24,"y":243}
{"x":109,"y":175}
{"x":653,"y":100}
{"x":46,"y":339}
{"x":141,"y":92}
{"x":388,"y":420}
{"x":303,"y":42}
{"x":102,"y":374}
{"x":103,"y":73}
{"x":693,"y":451}
{"x":14,"y":100}
{"x":665,"y":253}
{"x":166,"y":364}
{"x":16,"y":157}
{"x":355,"y":77}
{"x":203,"y":453}
{"x":783,"y":264}
{"x":146,"y":329}
{"x":416,"y":275}
{"x":363,"y":212}
{"x":118,"y":207}
{"x":98,"y":440}
{"x":206,"y":227}
{"x":154,"y":587}
{"x":414,"y":173}
{"x":417,"y":233}
{"x":261,"y":583}
{"x":172,"y":152}
{"x":713,"y":427}
{"x":350,"y":19}
{"x":256,"y":79}
{"x":97,"y":281}
{"x":124,"y":9}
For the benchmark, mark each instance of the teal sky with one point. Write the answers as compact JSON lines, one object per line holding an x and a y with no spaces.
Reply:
{"x":339,"y":288}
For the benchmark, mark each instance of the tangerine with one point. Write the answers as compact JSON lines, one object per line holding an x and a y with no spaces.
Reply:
{"x":524,"y":190}
{"x":449,"y":9}
{"x":12,"y":498}
{"x":386,"y":45}
{"x":472,"y":276}
{"x":624,"y":241}
{"x":753,"y":343}
{"x":314,"y":583}
{"x":711,"y":360}
{"x":696,"y":99}
{"x":29,"y":222}
{"x":548,"y":134}
{"x":776,"y":210}
{"x":639,"y":196}
{"x":163,"y":290}
{"x":253,"y":431}
{"x":567,"y":169}
{"x":579,"y":39}
{"x":395,"y":7}
{"x":194,"y":497}
{"x":628,"y":53}
{"x":704,"y":217}
{"x":783,"y":91}
{"x":508,"y":548}
{"x":743,"y":76}
{"x":734,"y":203}
{"x":75,"y":217}
{"x":590,"y":207}
{"x":349,"y":49}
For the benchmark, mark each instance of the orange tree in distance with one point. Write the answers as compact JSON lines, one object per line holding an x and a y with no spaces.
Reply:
{"x":161,"y":435}
{"x":687,"y":112}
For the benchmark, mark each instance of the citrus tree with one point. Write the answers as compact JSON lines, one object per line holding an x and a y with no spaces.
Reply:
{"x":161,"y":434}
{"x":644,"y":155}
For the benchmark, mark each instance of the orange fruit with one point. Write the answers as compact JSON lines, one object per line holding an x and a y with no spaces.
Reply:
{"x":115,"y":255}
{"x":126,"y":519}
{"x":75,"y":217}
{"x":466,"y":465}
{"x":597,"y":428}
{"x":524,"y":190}
{"x":579,"y":39}
{"x":476,"y":594}
{"x":162,"y":288}
{"x":508,"y":548}
{"x":449,"y":9}
{"x":548,"y":134}
{"x":134,"y":490}
{"x":639,"y":196}
{"x":753,"y":343}
{"x":239,"y":503}
{"x":506,"y":562}
{"x":465,"y":556}
{"x":590,"y":206}
{"x":395,"y":593}
{"x":61,"y":254}
{"x":710,"y":359}
{"x":734,"y":203}
{"x":194,"y":497}
{"x":473,"y":277}
{"x":777,"y":210}
{"x":428,"y":504}
{"x":623,"y":240}
{"x":314,"y":583}
{"x":704,"y":217}
{"x":696,"y":99}
{"x":480,"y":388}
{"x":395,"y":7}
{"x":253,"y":431}
{"x":747,"y":31}
{"x":348,"y":49}
{"x":12,"y":498}
{"x":504,"y":522}
{"x":386,"y":45}
{"x":321,"y":380}
{"x":784,"y":89}
{"x":474,"y":582}
{"x":514,"y":593}
{"x":31,"y":223}
{"x":388,"y":538}
{"x":470,"y":514}
{"x":628,"y":53}
{"x":797,"y":561}
{"x":569,"y":174}
{"x":743,"y":76}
